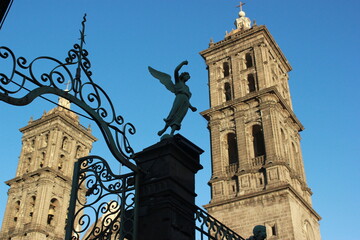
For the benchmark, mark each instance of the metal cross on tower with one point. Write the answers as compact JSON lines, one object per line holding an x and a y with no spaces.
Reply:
{"x":240,"y":5}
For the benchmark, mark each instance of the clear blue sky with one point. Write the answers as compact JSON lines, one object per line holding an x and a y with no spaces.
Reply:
{"x":319,"y":38}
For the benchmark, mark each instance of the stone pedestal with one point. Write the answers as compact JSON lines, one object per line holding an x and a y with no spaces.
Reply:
{"x":167,"y":189}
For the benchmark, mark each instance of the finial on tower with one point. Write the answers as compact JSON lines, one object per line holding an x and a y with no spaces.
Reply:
{"x":242,"y":23}
{"x":211,"y":42}
{"x":240,"y":6}
{"x":67,"y":86}
{"x":64,"y":103}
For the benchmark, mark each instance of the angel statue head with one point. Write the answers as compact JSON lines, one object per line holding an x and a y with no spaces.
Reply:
{"x":182,"y":97}
{"x":184,"y":76}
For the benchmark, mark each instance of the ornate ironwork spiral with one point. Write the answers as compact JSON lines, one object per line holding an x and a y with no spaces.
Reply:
{"x":105,"y":202}
{"x":21,"y":82}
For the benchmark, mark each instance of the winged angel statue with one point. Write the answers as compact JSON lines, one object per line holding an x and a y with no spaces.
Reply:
{"x":182,"y":100}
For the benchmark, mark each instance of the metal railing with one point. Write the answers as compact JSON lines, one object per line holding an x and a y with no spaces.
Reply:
{"x":207,"y":227}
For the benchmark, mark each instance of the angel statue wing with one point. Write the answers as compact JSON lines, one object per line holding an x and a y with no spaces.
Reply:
{"x":164,"y":78}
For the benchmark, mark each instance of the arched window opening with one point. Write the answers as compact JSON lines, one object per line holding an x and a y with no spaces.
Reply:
{"x":248,"y":60}
{"x":234,"y":185}
{"x":232,"y":148}
{"x":28,"y":164}
{"x":32,"y":206}
{"x":251,"y":83}
{"x":54,"y":204}
{"x":33,"y":143}
{"x":274,"y":230}
{"x":283,"y":142}
{"x":78,"y":152}
{"x":61,"y":162}
{"x":46,"y":139}
{"x":227,"y":90}
{"x":42,"y":159}
{"x":17,"y":210}
{"x":258,"y":141}
{"x":64,"y":144}
{"x":308,"y":231}
{"x":294,"y":154}
{"x":226,"y":69}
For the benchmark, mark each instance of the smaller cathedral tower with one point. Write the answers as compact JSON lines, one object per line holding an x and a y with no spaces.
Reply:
{"x":39,"y":195}
{"x":258,"y":174}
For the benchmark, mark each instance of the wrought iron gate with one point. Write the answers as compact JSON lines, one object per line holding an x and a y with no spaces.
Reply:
{"x":103,"y":204}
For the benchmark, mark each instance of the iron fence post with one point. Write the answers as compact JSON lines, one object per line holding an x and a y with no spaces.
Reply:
{"x":72,"y":205}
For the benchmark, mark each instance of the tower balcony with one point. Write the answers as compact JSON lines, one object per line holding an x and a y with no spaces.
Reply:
{"x":232,"y":168}
{"x":258,"y":161}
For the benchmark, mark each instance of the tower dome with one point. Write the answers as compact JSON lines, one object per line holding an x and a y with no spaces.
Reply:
{"x":243,"y":22}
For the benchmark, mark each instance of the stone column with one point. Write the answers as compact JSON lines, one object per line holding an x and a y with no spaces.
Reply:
{"x":167,"y":189}
{"x":241,"y":136}
{"x":271,"y":137}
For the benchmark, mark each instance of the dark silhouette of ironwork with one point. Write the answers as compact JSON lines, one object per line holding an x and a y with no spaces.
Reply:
{"x":21,"y":83}
{"x":5,"y":6}
{"x":109,"y":209}
{"x":210,"y":228}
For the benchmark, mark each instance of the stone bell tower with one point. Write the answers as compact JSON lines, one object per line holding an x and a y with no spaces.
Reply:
{"x":257,"y":169}
{"x":39,"y":195}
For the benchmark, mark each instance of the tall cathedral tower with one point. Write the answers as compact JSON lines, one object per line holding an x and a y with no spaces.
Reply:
{"x":257,"y":169}
{"x":39,"y":195}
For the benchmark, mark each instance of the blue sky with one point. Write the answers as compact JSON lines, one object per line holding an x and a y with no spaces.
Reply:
{"x":319,"y":38}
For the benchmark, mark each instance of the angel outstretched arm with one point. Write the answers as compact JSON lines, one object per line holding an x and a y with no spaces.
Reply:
{"x":177,"y":69}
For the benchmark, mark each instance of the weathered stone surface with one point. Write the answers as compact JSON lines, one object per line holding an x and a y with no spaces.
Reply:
{"x":42,"y":184}
{"x":267,"y":185}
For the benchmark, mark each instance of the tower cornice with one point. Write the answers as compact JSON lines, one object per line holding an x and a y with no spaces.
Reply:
{"x":61,"y":116}
{"x":38,"y":172}
{"x":254,"y":95}
{"x":237,"y":38}
{"x":237,"y":200}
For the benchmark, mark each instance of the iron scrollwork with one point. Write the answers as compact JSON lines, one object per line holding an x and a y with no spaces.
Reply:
{"x":22,"y":81}
{"x":208,"y":227}
{"x":105,"y":203}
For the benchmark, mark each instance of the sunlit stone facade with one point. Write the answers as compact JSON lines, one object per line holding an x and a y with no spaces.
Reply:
{"x":258,"y":174}
{"x":39,"y":194}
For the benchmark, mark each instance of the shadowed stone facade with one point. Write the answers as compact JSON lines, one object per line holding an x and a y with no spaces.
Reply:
{"x":258,"y":175}
{"x":39,"y":195}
